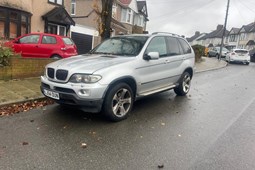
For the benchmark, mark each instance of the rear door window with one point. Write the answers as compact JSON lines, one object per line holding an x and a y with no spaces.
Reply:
{"x":49,"y":40}
{"x":173,"y":46}
{"x":185,"y":46}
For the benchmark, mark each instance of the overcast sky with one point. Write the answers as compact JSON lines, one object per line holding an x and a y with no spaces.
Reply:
{"x":184,"y":17}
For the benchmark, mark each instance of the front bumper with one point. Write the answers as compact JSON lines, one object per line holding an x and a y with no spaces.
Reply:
{"x":69,"y":95}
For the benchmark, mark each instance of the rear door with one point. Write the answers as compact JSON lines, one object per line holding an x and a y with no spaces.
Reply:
{"x":48,"y":46}
{"x":174,"y":59}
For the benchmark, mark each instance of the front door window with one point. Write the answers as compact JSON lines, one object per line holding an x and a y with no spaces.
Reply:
{"x":56,"y":29}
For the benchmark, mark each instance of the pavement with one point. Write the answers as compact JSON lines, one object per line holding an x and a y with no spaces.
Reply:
{"x":23,"y":90}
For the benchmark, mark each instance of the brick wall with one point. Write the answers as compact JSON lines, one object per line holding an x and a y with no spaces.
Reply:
{"x":24,"y":68}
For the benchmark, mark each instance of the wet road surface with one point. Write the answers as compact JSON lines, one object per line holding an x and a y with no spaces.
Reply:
{"x":213,"y":127}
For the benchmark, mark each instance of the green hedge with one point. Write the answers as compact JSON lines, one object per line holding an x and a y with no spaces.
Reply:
{"x":199,"y":52}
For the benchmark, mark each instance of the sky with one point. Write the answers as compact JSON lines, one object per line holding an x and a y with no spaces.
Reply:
{"x":185,"y":17}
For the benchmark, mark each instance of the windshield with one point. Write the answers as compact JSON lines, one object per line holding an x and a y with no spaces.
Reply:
{"x":123,"y":46}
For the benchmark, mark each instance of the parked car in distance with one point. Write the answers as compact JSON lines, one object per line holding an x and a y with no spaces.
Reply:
{"x":43,"y":45}
{"x":252,"y":54}
{"x":238,"y":56}
{"x":119,"y":71}
{"x":215,"y":52}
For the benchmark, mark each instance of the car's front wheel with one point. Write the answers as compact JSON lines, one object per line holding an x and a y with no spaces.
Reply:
{"x":184,"y":85}
{"x":118,"y":102}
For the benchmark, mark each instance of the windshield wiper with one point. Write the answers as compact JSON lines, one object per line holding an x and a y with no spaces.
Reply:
{"x":103,"y":53}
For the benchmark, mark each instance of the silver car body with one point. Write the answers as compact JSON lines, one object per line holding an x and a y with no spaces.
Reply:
{"x":148,"y":76}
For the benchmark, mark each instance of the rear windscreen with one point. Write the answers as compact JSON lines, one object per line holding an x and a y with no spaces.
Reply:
{"x":241,"y":51}
{"x":68,"y":41}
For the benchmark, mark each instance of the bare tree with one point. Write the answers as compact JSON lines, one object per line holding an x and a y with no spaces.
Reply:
{"x":104,"y":11}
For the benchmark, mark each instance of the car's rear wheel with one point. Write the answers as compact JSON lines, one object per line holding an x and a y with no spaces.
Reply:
{"x":184,"y":86}
{"x":118,"y":102}
{"x":56,"y":57}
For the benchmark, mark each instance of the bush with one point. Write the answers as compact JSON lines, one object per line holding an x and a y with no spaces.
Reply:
{"x":199,"y":52}
{"x":5,"y":54}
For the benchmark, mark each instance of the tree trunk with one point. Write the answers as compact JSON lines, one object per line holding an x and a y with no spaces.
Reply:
{"x":106,"y":18}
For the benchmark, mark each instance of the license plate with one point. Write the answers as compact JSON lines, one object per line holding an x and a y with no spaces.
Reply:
{"x":51,"y":94}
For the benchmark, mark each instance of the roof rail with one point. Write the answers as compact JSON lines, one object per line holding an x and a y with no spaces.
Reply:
{"x":166,"y":33}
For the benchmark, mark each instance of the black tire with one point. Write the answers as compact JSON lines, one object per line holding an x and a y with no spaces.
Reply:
{"x":56,"y":57}
{"x":247,"y":63}
{"x":184,"y":85}
{"x":121,"y":98}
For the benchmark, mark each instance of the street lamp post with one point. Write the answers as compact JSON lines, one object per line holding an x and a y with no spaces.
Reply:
{"x":224,"y":29}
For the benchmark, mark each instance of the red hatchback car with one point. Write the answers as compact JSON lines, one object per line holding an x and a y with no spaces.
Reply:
{"x":43,"y":45}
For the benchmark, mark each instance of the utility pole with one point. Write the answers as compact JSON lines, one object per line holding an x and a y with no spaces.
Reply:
{"x":224,"y":29}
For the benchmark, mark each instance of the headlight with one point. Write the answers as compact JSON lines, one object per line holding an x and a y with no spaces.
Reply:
{"x":84,"y":78}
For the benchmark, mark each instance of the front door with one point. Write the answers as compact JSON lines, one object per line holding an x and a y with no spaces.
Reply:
{"x":28,"y":46}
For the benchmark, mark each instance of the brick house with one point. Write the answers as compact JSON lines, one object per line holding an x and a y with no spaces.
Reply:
{"x":128,"y":16}
{"x":18,"y":17}
{"x":75,"y":18}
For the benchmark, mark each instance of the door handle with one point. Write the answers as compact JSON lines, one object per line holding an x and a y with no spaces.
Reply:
{"x":37,"y":46}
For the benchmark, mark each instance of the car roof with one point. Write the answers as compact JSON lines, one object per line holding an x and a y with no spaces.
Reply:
{"x":41,"y":33}
{"x":239,"y":49}
{"x":150,"y":35}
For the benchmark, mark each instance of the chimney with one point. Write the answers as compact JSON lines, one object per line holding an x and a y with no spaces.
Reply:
{"x":219,"y":27}
{"x":197,"y":33}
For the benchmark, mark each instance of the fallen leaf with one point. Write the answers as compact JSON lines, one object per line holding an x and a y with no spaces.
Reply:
{"x":24,"y":143}
{"x":163,"y":124}
{"x":160,"y":166}
{"x":83,"y":145}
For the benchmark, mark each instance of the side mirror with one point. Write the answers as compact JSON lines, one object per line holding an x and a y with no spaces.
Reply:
{"x":151,"y":56}
{"x":16,"y":41}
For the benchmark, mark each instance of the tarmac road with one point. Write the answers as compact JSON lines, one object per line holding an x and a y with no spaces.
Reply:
{"x":213,"y":127}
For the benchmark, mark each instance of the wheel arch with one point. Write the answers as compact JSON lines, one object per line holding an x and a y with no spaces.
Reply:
{"x":190,"y":71}
{"x":126,"y":79}
{"x":55,"y":54}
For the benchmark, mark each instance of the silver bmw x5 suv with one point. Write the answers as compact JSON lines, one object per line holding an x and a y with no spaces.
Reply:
{"x":119,"y":71}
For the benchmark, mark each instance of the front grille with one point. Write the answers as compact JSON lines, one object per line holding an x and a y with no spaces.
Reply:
{"x":61,"y":74}
{"x":50,"y":72}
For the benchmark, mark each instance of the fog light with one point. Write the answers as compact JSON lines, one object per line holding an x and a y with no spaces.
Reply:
{"x":84,"y":92}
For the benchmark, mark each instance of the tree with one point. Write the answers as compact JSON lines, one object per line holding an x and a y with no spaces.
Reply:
{"x":105,"y":17}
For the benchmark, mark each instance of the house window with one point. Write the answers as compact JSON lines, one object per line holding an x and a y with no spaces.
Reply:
{"x":73,"y":7}
{"x":114,"y":10}
{"x":127,"y":15}
{"x":243,"y":36}
{"x":13,"y":23}
{"x":56,"y":29}
{"x":59,"y":2}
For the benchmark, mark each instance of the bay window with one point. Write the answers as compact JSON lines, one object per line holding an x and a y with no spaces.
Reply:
{"x":13,"y":23}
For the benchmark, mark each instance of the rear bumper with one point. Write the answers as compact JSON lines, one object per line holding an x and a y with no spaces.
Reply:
{"x":235,"y":60}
